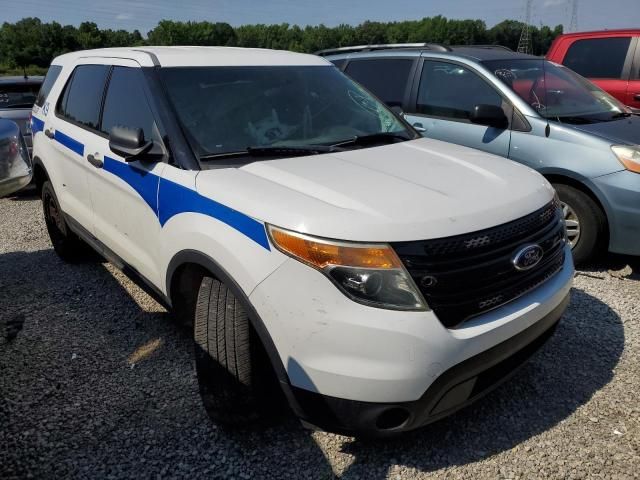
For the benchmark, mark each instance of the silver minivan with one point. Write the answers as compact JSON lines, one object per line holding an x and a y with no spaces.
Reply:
{"x":527,"y":109}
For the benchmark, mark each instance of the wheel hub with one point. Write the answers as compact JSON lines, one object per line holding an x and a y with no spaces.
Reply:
{"x":573,"y":224}
{"x":54,"y":214}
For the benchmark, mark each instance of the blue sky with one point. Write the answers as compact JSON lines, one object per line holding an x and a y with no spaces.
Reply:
{"x":144,"y":14}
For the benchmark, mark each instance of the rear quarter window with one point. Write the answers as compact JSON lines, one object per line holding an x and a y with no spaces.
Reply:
{"x":386,"y":78}
{"x":47,"y":85}
{"x":598,"y":57}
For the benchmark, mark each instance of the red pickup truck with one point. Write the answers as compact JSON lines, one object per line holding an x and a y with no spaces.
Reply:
{"x":609,"y":58}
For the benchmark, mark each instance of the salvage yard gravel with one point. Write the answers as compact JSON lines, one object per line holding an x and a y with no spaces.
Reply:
{"x":97,"y":381}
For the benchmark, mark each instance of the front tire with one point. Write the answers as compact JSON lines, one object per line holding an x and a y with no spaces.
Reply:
{"x":69,"y":247}
{"x":234,"y":377}
{"x":586,"y":223}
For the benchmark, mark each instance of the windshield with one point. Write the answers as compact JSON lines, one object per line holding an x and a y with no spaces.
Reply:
{"x":18,"y":95}
{"x":556,"y":92}
{"x":230,"y":109}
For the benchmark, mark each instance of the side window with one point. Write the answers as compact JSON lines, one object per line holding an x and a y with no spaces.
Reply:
{"x":598,"y":57}
{"x":47,"y":85}
{"x":125,"y":104}
{"x":82,"y":98}
{"x":451,"y":91}
{"x":386,"y":78}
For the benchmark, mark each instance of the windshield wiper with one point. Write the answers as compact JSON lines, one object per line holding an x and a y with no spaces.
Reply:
{"x":578,"y":120}
{"x":380,"y":137}
{"x":275,"y":151}
{"x":620,"y":115}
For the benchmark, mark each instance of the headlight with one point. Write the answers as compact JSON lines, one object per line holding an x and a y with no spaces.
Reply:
{"x":629,"y":156}
{"x":371,"y":274}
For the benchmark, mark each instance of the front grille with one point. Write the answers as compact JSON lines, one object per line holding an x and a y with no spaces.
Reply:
{"x":466,"y":275}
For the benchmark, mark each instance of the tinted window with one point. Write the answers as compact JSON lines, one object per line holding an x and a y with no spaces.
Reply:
{"x":83,"y":95}
{"x":125,"y":103}
{"x":47,"y":85}
{"x":18,"y":95}
{"x":386,"y":78}
{"x":598,"y":57}
{"x":451,"y":91}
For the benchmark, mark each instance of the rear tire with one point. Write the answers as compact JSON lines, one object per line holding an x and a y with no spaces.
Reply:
{"x":586,"y":223}
{"x":69,"y":247}
{"x":236,"y":383}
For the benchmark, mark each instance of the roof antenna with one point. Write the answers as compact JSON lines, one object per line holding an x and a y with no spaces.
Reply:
{"x":24,"y":72}
{"x":547,"y":129}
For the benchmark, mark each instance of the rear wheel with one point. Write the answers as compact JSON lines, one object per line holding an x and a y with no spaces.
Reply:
{"x":66,"y":244}
{"x":234,"y":375}
{"x":586,"y":223}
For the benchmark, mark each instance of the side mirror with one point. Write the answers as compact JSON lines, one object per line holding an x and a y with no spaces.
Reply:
{"x":489,"y":115}
{"x":129,"y":143}
{"x":15,"y":164}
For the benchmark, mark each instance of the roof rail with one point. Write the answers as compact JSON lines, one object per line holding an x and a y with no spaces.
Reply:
{"x":385,"y":46}
{"x":487,"y":47}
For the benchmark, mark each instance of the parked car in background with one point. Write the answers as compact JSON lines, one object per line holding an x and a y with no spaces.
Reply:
{"x":17,"y":96}
{"x":609,"y":58}
{"x":383,"y":280}
{"x":529,"y":110}
{"x":15,"y":163}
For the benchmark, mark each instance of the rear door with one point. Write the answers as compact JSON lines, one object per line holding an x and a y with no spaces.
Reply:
{"x":445,"y":96}
{"x":604,"y":61}
{"x":71,"y":131}
{"x":124,"y":194}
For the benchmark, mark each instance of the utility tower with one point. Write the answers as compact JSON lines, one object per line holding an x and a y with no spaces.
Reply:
{"x":573,"y":26}
{"x":524,"y":45}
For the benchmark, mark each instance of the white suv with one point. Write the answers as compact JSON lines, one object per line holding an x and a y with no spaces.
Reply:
{"x":381,"y":279}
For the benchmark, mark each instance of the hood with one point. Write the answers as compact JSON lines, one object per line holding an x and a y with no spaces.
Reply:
{"x":419,"y":189}
{"x":623,"y":131}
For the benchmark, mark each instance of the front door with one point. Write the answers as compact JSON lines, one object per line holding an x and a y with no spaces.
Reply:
{"x":124,"y":194}
{"x":447,"y":94}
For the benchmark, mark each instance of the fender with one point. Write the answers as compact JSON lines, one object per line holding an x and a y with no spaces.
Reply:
{"x":203,"y":260}
{"x":580,"y":182}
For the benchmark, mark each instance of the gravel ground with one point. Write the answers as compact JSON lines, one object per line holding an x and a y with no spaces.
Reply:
{"x":100,"y":384}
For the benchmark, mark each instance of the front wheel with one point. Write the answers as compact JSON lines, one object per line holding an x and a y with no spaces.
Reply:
{"x":586,"y":223}
{"x":236,"y":383}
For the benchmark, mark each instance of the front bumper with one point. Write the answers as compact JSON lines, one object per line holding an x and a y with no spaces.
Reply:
{"x":622,"y":193}
{"x":454,"y":389}
{"x":337,"y":348}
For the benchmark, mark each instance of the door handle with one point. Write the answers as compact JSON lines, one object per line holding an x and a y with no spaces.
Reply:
{"x":49,"y":133}
{"x":636,"y":97}
{"x":419,"y":127}
{"x":96,"y":162}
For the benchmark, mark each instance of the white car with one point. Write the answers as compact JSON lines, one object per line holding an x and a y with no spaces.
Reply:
{"x":382,"y":280}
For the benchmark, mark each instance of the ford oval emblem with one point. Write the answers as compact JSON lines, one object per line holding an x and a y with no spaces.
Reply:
{"x":527,"y":257}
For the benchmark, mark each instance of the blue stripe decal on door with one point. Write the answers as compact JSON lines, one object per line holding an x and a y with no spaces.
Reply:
{"x":37,"y":125}
{"x":168,"y":199}
{"x":143,"y":182}
{"x":70,"y":143}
